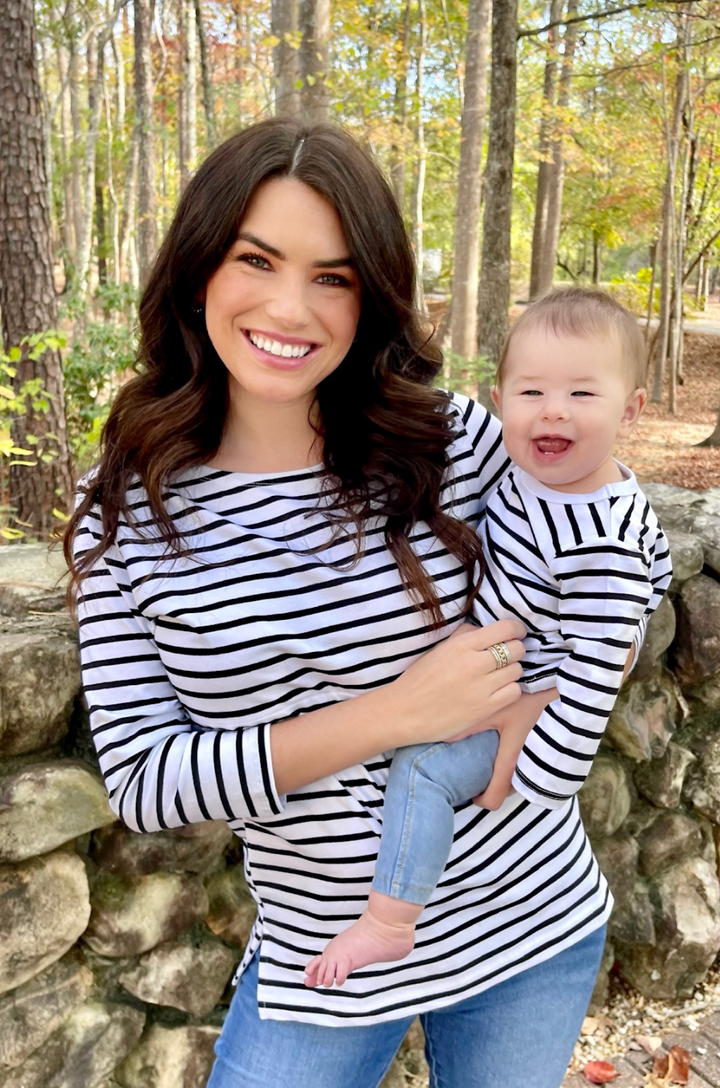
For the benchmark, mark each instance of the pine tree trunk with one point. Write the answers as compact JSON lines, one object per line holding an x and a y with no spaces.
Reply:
{"x":207,"y":91}
{"x":27,"y":292}
{"x":494,"y":291}
{"x":398,"y":149}
{"x":314,"y":59}
{"x":189,"y":92}
{"x":144,"y":138}
{"x":286,"y":57}
{"x":544,"y":150}
{"x":467,"y":216}
{"x":557,"y":168}
{"x":667,"y":237}
{"x":420,"y":159}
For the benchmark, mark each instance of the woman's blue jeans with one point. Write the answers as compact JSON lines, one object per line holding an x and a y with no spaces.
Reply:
{"x":518,"y":1034}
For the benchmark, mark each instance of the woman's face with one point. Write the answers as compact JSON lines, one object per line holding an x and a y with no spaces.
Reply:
{"x":283,"y":307}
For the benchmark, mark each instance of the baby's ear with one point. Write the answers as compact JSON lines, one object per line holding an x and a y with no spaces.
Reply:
{"x":495,"y":394}
{"x":634,"y":407}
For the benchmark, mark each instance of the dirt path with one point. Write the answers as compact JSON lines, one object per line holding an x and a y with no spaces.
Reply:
{"x":664,"y":447}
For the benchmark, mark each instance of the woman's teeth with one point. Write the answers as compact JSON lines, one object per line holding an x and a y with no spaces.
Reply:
{"x":274,"y":347}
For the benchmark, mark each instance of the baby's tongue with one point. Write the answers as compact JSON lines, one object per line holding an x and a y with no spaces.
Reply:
{"x":552,"y":445}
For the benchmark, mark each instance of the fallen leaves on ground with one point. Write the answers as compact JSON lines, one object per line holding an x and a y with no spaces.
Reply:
{"x":600,"y":1072}
{"x":673,"y":1067}
{"x":649,"y":1043}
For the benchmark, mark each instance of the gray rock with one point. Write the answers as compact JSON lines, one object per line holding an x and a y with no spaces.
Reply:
{"x":687,"y":557}
{"x":131,"y":915}
{"x":602,"y":982}
{"x":46,"y":804}
{"x":618,"y":859}
{"x":44,"y":907}
{"x":232,"y":909}
{"x":669,"y":840}
{"x":606,"y":797}
{"x":632,"y":921}
{"x":661,"y":780}
{"x":643,"y":718}
{"x":196,"y":848}
{"x":660,"y":634}
{"x":39,"y":679}
{"x":183,"y":976}
{"x":687,"y":930}
{"x":702,"y":780}
{"x":32,"y":1012}
{"x":170,"y":1058}
{"x":698,"y":643}
{"x":84,"y":1051}
{"x":693,"y":512}
{"x":33,"y":578}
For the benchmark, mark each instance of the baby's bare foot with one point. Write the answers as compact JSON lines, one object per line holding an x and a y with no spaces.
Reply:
{"x":369,"y":940}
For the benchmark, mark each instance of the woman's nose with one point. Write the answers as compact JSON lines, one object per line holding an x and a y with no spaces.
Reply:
{"x":289,"y":303}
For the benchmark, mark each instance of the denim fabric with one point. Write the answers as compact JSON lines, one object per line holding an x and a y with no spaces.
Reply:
{"x":425,"y":782}
{"x":518,"y":1034}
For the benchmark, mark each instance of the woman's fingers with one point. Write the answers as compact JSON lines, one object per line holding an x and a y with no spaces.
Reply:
{"x":501,"y":631}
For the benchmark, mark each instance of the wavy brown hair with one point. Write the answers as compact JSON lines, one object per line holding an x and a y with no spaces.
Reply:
{"x":385,"y":430}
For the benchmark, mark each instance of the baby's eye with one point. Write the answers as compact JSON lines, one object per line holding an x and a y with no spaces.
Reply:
{"x":581,"y":393}
{"x":531,"y":393}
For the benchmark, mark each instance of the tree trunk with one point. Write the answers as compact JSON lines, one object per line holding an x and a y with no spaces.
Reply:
{"x":206,"y":82}
{"x":597,"y":259}
{"x":651,"y":292}
{"x":144,"y":138}
{"x":66,"y":144}
{"x":286,"y":59}
{"x":467,"y":216}
{"x":27,"y":292}
{"x":314,"y":59}
{"x":75,"y":150}
{"x":557,"y":169}
{"x":494,"y":291}
{"x":667,"y":233}
{"x":544,"y":150}
{"x":398,"y":149}
{"x":420,"y":159}
{"x":189,"y":92}
{"x":127,"y":219}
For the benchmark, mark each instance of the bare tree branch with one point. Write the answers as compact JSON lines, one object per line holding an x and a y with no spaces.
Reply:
{"x":594,"y":16}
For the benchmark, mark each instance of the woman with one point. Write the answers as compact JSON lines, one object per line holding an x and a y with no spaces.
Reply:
{"x":277,"y":541}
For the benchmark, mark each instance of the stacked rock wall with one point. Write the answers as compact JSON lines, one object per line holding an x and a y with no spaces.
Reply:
{"x":116,"y":949}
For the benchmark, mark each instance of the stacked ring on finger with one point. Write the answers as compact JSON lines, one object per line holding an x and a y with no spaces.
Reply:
{"x":502,"y":654}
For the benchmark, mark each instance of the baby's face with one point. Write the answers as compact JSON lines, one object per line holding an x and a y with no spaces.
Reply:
{"x":563,"y":402}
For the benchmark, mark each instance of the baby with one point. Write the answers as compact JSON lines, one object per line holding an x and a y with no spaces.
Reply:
{"x":573,"y":550}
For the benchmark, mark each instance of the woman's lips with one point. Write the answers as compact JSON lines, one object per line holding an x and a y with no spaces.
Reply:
{"x":282,"y":362}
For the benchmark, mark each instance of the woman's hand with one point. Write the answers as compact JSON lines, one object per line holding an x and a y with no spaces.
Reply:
{"x":513,"y":724}
{"x":456,"y":686}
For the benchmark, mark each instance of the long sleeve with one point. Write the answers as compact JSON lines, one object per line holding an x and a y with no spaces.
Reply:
{"x":605,"y":590}
{"x":161,"y":769}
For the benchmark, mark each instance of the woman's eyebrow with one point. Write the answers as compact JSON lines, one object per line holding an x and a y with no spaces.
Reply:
{"x":335,"y":262}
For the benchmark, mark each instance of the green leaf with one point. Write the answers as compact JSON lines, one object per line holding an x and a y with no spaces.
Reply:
{"x":11,"y":534}
{"x":14,"y":355}
{"x":59,"y":514}
{"x":7,"y":392}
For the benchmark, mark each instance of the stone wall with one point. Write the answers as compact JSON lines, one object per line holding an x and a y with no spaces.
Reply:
{"x":116,"y":949}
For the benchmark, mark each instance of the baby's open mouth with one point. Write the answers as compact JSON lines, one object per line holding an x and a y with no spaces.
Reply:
{"x":552,"y":444}
{"x":274,"y":347}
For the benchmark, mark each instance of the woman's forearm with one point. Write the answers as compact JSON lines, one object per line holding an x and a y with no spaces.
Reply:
{"x":451,"y":687}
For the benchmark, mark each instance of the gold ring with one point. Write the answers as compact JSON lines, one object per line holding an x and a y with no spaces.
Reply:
{"x":501,"y":654}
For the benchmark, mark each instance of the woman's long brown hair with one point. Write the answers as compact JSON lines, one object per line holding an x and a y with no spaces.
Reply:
{"x":386,"y":431}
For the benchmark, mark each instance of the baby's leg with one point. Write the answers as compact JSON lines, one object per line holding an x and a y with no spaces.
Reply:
{"x":424,"y":784}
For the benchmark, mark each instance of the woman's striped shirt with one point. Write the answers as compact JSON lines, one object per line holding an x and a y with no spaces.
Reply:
{"x":188,"y":661}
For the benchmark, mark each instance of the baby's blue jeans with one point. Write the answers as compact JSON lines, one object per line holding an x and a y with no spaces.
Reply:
{"x":425,"y":782}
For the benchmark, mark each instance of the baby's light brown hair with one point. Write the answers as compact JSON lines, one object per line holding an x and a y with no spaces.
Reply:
{"x":584,"y":312}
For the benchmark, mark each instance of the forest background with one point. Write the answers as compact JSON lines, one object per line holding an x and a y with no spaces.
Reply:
{"x":575,"y":140}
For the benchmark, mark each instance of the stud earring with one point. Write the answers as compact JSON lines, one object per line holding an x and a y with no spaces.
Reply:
{"x":197,"y":308}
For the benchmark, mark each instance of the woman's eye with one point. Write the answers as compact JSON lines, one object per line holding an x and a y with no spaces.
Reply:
{"x":331,"y":279}
{"x":255,"y":260}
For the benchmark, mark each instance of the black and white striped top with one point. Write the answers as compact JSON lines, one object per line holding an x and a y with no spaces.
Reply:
{"x":188,"y":661}
{"x":582,"y":572}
